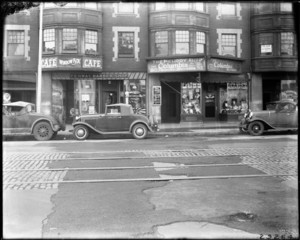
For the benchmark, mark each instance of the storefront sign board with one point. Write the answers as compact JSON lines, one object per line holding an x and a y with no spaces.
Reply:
{"x":221,"y":65}
{"x":156,"y":95}
{"x":176,"y":65}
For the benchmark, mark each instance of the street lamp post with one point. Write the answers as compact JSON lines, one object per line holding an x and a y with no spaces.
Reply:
{"x":39,"y":77}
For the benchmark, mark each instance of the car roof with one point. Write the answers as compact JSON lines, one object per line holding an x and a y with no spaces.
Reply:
{"x":19,"y":103}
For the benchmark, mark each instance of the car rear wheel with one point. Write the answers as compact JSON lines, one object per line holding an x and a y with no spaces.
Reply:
{"x":256,"y":128}
{"x":81,"y":132}
{"x":42,"y":131}
{"x":139,"y":131}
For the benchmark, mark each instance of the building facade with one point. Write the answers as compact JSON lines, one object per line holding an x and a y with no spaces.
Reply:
{"x":274,"y":53}
{"x":177,"y":61}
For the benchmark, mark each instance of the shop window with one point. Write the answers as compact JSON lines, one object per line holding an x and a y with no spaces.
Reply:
{"x":126,"y":44}
{"x":191,"y":98}
{"x":161,"y":43}
{"x":266,"y":44}
{"x":182,"y":42}
{"x":228,"y":45}
{"x":70,"y":40}
{"x":287,"y":43}
{"x":286,"y":7}
{"x":181,"y":5}
{"x":135,"y":95}
{"x":91,"y":5}
{"x":200,"y":42}
{"x":228,"y":9}
{"x":49,"y":41}
{"x":91,"y":42}
{"x":160,"y":6}
{"x":199,"y":6}
{"x":15,"y":43}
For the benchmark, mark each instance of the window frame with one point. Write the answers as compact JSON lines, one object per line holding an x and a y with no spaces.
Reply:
{"x":228,"y":45}
{"x":44,"y":41}
{"x":287,"y":43}
{"x":229,"y":14}
{"x":266,"y":40}
{"x":182,"y":41}
{"x":125,"y":55}
{"x":164,"y":41}
{"x":15,"y":43}
{"x":199,"y":41}
{"x":91,"y":41}
{"x":69,"y":40}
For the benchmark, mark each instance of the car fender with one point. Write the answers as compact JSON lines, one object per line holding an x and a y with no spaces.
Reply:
{"x":262,"y":121}
{"x":88,"y":126}
{"x":141,"y":122}
{"x":42,"y":120}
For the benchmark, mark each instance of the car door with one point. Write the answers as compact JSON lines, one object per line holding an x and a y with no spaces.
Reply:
{"x":286,"y":115}
{"x":111,"y":121}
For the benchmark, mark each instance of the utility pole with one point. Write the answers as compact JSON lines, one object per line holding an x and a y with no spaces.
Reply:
{"x":39,"y":77}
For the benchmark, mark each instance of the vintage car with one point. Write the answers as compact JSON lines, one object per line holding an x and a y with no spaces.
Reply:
{"x":280,"y":115}
{"x":118,"y":118}
{"x":21,"y":118}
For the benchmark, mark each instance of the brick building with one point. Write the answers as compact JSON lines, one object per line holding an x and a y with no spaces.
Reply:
{"x":180,"y":61}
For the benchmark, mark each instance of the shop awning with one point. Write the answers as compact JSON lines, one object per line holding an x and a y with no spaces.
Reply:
{"x":222,"y":78}
{"x":100,"y":76}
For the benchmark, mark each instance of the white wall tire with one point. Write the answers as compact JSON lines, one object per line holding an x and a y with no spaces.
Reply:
{"x":139,"y":131}
{"x":81,"y":132}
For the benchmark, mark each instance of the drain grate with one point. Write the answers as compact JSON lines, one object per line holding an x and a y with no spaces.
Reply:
{"x":243,"y":217}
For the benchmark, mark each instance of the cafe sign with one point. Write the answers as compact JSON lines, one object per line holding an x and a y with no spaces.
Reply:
{"x":220,"y":65}
{"x":71,"y":63}
{"x":176,"y":65}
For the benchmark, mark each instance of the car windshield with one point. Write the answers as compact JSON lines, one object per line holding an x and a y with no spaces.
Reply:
{"x":113,"y":110}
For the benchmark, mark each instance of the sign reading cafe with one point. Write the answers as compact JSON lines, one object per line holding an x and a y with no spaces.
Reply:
{"x":71,"y":62}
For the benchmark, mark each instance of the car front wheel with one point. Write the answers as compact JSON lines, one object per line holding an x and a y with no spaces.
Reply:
{"x":256,"y":128}
{"x":42,"y":131}
{"x":81,"y":132}
{"x":139,"y":131}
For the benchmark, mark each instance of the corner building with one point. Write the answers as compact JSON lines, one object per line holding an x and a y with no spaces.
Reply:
{"x":199,"y":58}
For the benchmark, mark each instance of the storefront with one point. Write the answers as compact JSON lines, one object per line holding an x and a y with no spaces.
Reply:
{"x":195,"y":89}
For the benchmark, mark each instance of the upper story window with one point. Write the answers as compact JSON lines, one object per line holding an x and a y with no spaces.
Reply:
{"x":49,"y":41}
{"x":182,"y":5}
{"x":126,"y":44}
{"x":286,"y":7}
{"x":228,"y":9}
{"x":264,"y":7}
{"x":200,"y":42}
{"x":161,"y":43}
{"x":266,"y":44}
{"x":71,"y":5}
{"x":91,"y":42}
{"x":160,"y":6}
{"x":287,"y":43}
{"x":199,"y":6}
{"x":70,"y":39}
{"x":228,"y":45}
{"x":126,"y":8}
{"x":15,"y":43}
{"x":91,"y":5}
{"x":182,"y":40}
{"x":49,"y":5}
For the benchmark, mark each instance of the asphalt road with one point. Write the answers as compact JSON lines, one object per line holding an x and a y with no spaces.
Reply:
{"x":167,"y":187}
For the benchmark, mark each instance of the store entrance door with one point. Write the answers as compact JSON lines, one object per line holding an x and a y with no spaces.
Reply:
{"x":170,"y":108}
{"x":210,"y":101}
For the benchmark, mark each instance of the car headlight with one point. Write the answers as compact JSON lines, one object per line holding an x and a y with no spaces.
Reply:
{"x":77,"y":118}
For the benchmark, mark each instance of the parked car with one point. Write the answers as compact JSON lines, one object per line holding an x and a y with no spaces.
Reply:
{"x":20,"y":118}
{"x":280,"y":115}
{"x":118,"y":118}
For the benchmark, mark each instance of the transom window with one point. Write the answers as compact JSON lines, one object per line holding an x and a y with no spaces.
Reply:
{"x":266,"y":44}
{"x":16,"y":43}
{"x":287,"y":43}
{"x":126,"y":8}
{"x":91,"y":42}
{"x":228,"y":9}
{"x":160,"y":6}
{"x":182,"y":42}
{"x":126,"y":44}
{"x":161,"y":43}
{"x":181,"y":5}
{"x":229,"y":45}
{"x":49,"y":41}
{"x":286,"y":7}
{"x":200,"y":42}
{"x":70,"y":39}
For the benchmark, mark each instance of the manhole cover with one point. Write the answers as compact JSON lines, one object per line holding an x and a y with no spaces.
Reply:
{"x":243,"y":217}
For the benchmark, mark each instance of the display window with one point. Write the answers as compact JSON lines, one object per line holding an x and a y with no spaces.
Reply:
{"x":191,"y":98}
{"x":85,"y":96}
{"x":135,"y":95}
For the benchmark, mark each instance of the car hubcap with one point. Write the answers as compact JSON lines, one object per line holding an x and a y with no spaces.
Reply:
{"x":256,"y":128}
{"x":140,"y":131}
{"x":80,"y":132}
{"x":43,"y":131}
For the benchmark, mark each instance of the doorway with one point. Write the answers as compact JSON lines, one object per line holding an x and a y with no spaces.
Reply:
{"x":170,"y":108}
{"x":210,"y":101}
{"x":110,"y":93}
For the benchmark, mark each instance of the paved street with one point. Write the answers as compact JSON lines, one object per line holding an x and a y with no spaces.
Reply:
{"x":222,"y":186}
